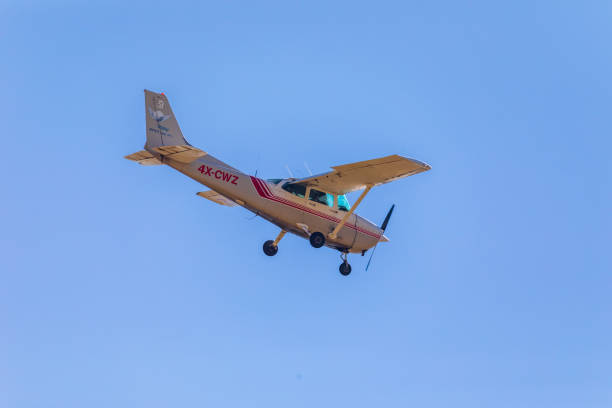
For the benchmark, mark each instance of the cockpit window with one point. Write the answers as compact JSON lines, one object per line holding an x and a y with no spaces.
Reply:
{"x":295,"y":189}
{"x":274,"y":181}
{"x":321,"y":197}
{"x":343,"y":204}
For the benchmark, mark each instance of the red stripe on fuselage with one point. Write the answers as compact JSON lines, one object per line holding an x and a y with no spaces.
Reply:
{"x":257,"y":186}
{"x":265,"y":187}
{"x":264,"y":191}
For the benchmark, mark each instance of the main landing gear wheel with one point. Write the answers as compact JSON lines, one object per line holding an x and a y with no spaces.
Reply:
{"x":317,"y":239}
{"x":345,"y":268}
{"x":269,"y":248}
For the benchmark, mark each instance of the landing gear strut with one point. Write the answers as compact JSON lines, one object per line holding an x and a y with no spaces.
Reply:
{"x":345,"y":267}
{"x":270,"y":247}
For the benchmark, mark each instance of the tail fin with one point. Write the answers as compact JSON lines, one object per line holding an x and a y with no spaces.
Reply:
{"x":164,"y":135}
{"x":162,"y":127}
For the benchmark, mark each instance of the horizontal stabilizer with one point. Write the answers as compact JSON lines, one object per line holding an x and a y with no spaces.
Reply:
{"x":181,"y":153}
{"x":217,"y":198}
{"x":143,"y":157}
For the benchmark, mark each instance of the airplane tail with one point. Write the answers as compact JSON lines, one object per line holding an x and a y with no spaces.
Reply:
{"x":164,"y":136}
{"x":162,"y":127}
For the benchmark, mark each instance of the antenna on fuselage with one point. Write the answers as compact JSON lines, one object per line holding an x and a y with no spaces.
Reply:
{"x":258,"y":161}
{"x":307,"y":168}
{"x":289,"y":170}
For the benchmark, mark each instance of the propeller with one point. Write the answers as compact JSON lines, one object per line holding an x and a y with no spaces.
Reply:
{"x":383,"y":227}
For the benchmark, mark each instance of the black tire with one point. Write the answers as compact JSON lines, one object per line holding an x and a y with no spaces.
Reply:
{"x":317,"y":239}
{"x":345,"y":268}
{"x":269,"y":248}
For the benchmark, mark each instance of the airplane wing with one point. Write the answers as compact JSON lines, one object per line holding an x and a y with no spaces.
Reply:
{"x":356,"y":176}
{"x":212,"y":195}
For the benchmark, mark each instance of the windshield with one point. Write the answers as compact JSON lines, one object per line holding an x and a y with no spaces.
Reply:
{"x":274,"y":181}
{"x":343,"y":203}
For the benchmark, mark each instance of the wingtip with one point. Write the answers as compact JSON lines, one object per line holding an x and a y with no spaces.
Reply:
{"x":424,"y":166}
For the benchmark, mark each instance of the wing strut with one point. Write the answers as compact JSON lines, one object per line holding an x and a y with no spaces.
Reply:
{"x":334,"y":233}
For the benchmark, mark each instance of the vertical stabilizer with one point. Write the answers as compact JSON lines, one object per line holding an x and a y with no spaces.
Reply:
{"x":162,"y":127}
{"x":165,"y":140}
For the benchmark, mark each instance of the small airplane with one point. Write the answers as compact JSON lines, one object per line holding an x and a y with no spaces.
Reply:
{"x":314,"y":207}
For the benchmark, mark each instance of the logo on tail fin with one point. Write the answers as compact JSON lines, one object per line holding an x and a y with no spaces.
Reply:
{"x":158,"y":115}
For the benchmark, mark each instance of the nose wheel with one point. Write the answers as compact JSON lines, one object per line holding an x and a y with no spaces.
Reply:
{"x":345,"y":267}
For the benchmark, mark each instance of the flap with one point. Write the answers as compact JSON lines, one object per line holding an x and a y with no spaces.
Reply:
{"x":217,"y":198}
{"x":356,"y":176}
{"x":143,"y":157}
{"x":181,"y":153}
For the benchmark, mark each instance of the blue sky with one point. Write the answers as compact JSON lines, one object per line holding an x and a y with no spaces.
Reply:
{"x":122,"y":288}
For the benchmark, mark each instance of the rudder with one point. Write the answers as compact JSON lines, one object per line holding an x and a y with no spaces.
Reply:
{"x":162,"y":127}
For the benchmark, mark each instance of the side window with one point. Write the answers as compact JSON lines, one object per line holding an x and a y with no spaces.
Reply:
{"x":321,"y":197}
{"x":343,"y":204}
{"x":295,"y":189}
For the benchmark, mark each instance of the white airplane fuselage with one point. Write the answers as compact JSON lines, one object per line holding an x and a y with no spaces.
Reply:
{"x":289,"y":212}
